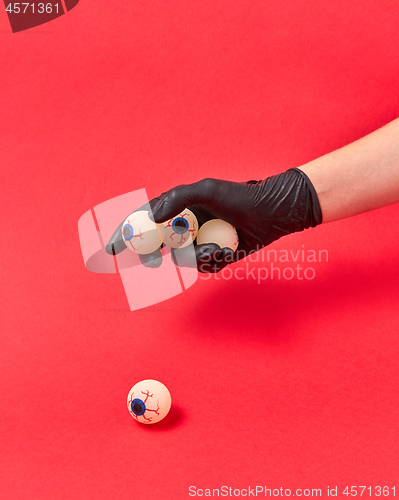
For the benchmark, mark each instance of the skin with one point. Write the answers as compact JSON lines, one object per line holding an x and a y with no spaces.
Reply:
{"x":359,"y":177}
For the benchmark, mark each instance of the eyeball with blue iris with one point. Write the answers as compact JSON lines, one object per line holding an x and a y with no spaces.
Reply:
{"x":181,"y":230}
{"x":141,"y":234}
{"x":149,"y":401}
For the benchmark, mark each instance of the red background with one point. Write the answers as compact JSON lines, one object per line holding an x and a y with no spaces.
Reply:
{"x":287,"y":384}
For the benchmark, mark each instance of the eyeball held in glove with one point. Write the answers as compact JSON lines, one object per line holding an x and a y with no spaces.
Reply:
{"x":181,"y":230}
{"x":220,"y":232}
{"x":140,"y":234}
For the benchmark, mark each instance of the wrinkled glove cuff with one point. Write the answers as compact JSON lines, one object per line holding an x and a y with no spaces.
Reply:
{"x":313,"y":205}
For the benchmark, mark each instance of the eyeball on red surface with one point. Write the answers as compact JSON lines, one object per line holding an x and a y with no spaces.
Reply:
{"x":149,"y":401}
{"x":181,"y":230}
{"x":140,"y":234}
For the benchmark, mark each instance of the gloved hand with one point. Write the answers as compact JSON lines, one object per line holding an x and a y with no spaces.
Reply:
{"x":117,"y":245}
{"x":261,"y":212}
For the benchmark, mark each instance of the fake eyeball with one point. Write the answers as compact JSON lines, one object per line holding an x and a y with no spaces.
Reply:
{"x":220,"y":232}
{"x":181,"y":230}
{"x":141,"y":234}
{"x":149,"y":401}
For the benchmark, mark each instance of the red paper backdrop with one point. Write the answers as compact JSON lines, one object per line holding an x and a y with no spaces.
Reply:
{"x":286,"y":383}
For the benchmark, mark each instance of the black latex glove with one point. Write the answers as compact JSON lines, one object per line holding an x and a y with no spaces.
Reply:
{"x":261,"y":212}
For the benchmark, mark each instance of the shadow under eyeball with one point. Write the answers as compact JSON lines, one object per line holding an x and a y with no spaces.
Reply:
{"x":173,"y":419}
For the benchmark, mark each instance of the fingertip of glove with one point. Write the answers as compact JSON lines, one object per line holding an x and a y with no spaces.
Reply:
{"x":110,"y":249}
{"x":207,"y":252}
{"x":152,"y":260}
{"x":115,"y":247}
{"x":227,"y":252}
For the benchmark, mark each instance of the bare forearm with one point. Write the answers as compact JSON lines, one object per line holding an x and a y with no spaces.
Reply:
{"x":359,"y":177}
